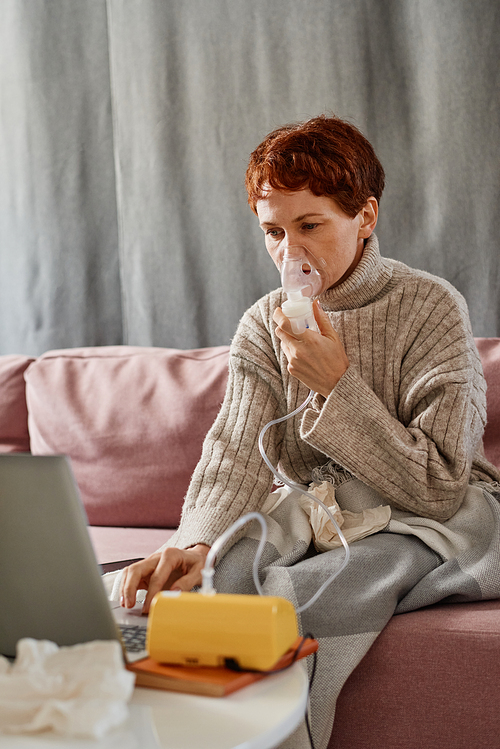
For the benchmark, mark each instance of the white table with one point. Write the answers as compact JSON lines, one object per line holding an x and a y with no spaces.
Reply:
{"x":259,"y":716}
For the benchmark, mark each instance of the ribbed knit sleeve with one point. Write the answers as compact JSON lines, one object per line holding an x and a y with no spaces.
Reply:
{"x":408,"y":415}
{"x":231,"y":478}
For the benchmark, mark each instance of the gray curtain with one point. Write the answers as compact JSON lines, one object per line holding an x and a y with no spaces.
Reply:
{"x":126,"y":125}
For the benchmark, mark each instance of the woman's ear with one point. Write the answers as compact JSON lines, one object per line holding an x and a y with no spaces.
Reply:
{"x":368,"y":216}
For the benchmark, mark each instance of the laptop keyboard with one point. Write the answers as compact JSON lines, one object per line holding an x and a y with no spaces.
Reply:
{"x":134,"y":637}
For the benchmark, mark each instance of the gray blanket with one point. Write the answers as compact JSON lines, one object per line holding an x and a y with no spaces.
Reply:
{"x":413,"y":562}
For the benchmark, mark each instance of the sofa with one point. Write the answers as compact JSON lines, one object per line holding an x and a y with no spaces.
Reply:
{"x":133,"y":419}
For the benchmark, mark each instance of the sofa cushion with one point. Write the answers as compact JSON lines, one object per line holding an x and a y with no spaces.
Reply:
{"x":489,"y":351}
{"x":132,"y":420}
{"x":430,"y":681}
{"x":14,"y":436}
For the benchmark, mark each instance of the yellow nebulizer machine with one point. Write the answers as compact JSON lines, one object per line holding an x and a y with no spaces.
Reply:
{"x":249,"y":632}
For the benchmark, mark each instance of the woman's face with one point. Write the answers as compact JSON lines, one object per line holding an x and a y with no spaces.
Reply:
{"x":319,"y":224}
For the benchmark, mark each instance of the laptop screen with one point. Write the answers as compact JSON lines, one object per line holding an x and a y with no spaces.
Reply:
{"x":50,"y":583}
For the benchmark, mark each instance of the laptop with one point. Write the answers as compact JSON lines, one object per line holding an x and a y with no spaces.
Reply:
{"x":50,"y":582}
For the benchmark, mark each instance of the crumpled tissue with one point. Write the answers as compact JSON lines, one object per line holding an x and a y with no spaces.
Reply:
{"x":77,"y":691}
{"x":354,"y":525}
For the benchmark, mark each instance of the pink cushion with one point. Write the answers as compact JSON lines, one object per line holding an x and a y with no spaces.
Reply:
{"x":14,"y":436}
{"x":489,"y":351}
{"x":430,"y":681}
{"x":131,"y":419}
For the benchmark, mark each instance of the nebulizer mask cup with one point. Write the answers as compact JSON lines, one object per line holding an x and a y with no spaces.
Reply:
{"x":300,"y":280}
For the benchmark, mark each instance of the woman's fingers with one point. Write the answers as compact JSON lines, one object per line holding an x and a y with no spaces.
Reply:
{"x":178,"y":568}
{"x":152,"y":573}
{"x":317,"y":360}
{"x":323,"y":321}
{"x":171,"y":568}
{"x":135,"y":578}
{"x":284,"y":329}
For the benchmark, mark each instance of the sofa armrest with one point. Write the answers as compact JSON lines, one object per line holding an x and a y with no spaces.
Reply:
{"x":14,"y":435}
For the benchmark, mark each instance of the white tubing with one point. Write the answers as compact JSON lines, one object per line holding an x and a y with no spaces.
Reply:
{"x":207,"y":573}
{"x":297,"y":487}
{"x":207,"y":587}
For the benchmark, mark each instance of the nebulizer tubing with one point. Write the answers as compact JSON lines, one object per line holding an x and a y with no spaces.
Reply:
{"x":295,"y":280}
{"x":207,"y":572}
{"x":298,"y":487}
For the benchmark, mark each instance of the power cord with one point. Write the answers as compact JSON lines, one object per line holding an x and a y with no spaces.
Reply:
{"x":233,"y":665}
{"x":311,"y":680}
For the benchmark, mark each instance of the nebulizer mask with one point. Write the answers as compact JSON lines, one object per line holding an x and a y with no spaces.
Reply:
{"x":300,"y":280}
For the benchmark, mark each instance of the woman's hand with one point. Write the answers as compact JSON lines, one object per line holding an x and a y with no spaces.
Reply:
{"x":170,"y":569}
{"x":317,"y":360}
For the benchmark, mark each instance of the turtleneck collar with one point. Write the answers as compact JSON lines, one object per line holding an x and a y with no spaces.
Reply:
{"x":364,"y":284}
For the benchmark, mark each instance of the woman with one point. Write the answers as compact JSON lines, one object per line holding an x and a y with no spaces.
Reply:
{"x":399,"y":410}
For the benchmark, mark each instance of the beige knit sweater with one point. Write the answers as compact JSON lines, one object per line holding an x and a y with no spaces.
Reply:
{"x":407,"y":417}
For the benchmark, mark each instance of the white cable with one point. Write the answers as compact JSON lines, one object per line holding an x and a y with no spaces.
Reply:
{"x":207,"y":573}
{"x":290,"y":484}
{"x":297,"y":487}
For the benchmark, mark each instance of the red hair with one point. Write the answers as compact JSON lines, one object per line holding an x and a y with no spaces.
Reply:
{"x":329,"y":156}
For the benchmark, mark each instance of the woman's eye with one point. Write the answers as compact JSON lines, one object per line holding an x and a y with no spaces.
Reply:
{"x":309,"y":227}
{"x":273,"y":232}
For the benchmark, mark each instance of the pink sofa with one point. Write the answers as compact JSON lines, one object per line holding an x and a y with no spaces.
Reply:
{"x":133,"y":421}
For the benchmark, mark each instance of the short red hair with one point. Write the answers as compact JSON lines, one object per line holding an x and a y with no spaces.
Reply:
{"x":326,"y":154}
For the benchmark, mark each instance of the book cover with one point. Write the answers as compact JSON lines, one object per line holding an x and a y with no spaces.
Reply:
{"x":209,"y":680}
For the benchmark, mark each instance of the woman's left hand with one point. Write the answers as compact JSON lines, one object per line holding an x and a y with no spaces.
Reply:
{"x":316,"y":359}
